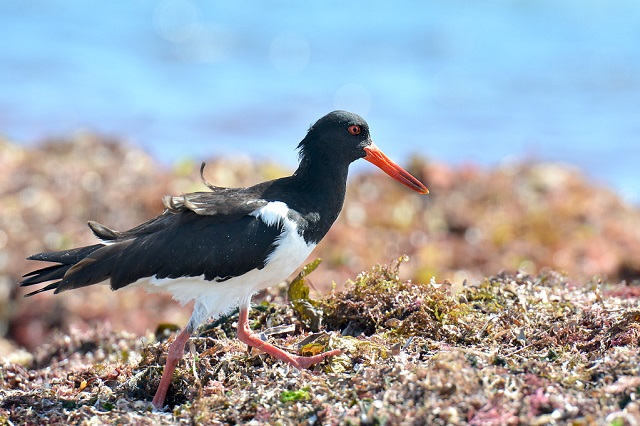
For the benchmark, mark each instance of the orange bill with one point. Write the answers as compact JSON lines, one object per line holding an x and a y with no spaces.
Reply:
{"x":377,"y":157}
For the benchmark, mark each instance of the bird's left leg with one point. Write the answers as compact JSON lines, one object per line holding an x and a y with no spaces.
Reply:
{"x":176,"y":351}
{"x":245,"y":335}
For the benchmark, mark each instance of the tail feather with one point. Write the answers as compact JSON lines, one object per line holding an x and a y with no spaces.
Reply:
{"x":50,"y":273}
{"x":95,"y":268}
{"x":51,"y":286}
{"x":66,"y":257}
{"x":66,"y":260}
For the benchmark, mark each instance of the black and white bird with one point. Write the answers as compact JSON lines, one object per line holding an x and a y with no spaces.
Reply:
{"x":222,"y":246}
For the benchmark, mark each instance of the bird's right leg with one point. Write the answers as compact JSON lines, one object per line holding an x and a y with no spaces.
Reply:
{"x":245,"y":335}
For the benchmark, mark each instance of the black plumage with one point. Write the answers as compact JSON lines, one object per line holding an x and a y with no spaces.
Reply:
{"x":212,"y":233}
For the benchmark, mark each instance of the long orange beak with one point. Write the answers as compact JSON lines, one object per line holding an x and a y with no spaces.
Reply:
{"x":377,"y":157}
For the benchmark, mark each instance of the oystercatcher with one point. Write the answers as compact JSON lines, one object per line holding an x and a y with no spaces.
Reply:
{"x":222,"y":246}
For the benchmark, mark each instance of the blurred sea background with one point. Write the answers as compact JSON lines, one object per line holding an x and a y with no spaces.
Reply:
{"x":457,"y":81}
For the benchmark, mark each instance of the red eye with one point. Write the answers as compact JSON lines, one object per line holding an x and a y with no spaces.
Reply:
{"x":354,"y":130}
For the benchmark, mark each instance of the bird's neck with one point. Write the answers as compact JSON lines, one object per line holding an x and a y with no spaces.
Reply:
{"x":322,"y":174}
{"x":322,"y":186}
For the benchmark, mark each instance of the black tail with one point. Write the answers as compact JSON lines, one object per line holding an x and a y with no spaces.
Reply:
{"x":66,"y":260}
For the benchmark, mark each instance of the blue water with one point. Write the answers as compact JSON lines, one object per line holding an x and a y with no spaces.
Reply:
{"x":457,"y":81}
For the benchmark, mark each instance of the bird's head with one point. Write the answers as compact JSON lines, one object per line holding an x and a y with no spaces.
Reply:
{"x":344,"y":137}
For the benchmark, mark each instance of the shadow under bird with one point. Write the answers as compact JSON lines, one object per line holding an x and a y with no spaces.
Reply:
{"x":222,"y":246}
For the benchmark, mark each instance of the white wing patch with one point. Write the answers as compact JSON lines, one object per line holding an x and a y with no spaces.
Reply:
{"x":272,"y":213}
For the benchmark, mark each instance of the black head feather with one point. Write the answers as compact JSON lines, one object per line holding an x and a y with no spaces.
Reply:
{"x":329,"y":139}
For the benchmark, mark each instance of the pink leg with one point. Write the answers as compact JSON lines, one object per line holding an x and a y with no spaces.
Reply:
{"x":245,"y":335}
{"x":176,"y":351}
